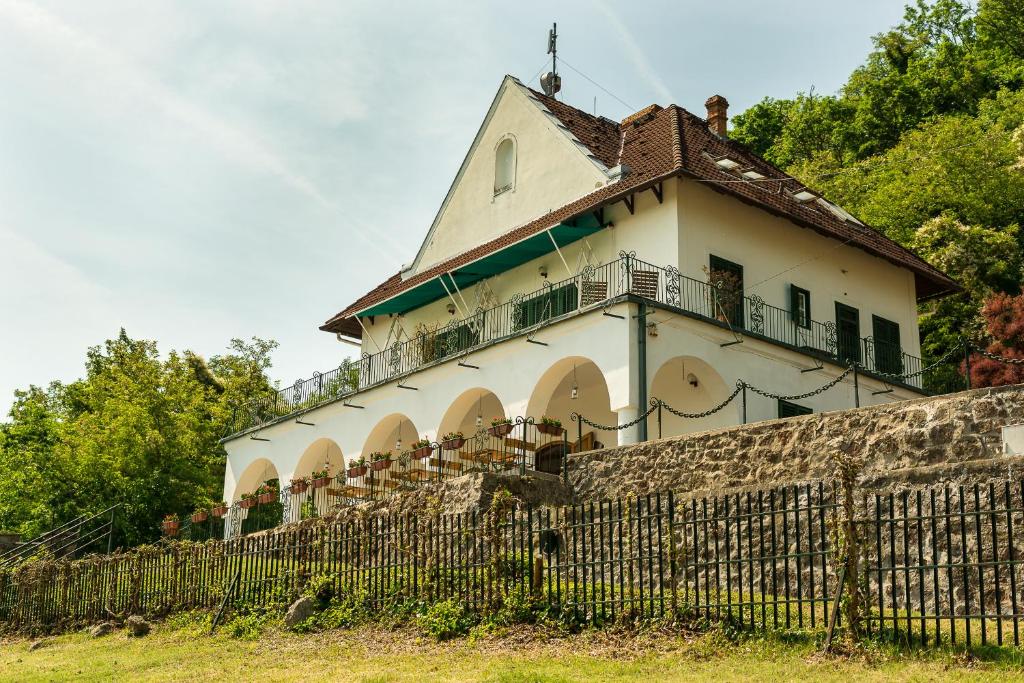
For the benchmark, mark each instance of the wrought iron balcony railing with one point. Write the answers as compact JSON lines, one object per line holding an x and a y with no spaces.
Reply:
{"x":525,"y":314}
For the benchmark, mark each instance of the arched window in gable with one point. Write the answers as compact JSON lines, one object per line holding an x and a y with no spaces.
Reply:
{"x":505,"y":166}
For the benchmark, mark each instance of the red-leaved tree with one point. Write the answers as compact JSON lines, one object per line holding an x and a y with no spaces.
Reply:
{"x":1004,"y":321}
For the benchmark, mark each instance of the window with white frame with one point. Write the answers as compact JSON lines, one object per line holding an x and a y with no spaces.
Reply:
{"x":504,"y":166}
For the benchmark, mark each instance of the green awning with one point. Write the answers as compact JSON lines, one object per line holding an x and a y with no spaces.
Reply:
{"x":496,"y":262}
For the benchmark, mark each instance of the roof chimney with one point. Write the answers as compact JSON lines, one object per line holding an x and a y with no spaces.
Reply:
{"x":718,"y":115}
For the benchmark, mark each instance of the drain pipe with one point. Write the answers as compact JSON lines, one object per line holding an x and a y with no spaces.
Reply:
{"x":641,"y":364}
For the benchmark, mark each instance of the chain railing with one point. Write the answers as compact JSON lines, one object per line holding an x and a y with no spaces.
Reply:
{"x":657,"y":404}
{"x":526,"y":314}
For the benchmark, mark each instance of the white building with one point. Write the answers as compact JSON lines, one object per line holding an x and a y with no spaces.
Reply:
{"x":567,"y":270}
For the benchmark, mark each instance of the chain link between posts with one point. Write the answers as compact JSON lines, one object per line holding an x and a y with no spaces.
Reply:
{"x":656,"y":403}
{"x":796,"y":397}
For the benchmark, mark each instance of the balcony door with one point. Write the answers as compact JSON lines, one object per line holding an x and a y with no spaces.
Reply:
{"x":727,"y":281}
{"x":847,"y":333}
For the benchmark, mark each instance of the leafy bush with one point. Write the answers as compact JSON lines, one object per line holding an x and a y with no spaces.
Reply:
{"x":251,"y":625}
{"x":444,"y":620}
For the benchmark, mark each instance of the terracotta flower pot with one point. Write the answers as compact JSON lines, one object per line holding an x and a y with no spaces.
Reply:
{"x":320,"y":482}
{"x":422,"y":452}
{"x":501,"y":430}
{"x":299,"y":486}
{"x":171,"y":528}
{"x":453,"y":444}
{"x":200,"y":517}
{"x":219,"y":511}
{"x":247,"y":503}
{"x":265,"y":498}
{"x":354,"y":472}
{"x":550,"y":430}
{"x":378,"y":465}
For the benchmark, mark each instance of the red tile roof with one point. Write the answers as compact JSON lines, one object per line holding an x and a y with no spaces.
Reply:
{"x":657,"y":144}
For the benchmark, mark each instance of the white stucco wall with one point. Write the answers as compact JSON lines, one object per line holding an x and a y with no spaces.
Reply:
{"x":551,"y":171}
{"x":775,"y":252}
{"x":517,"y":373}
{"x":511,"y":371}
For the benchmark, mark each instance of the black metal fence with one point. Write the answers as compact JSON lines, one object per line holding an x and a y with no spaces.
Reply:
{"x":944,"y":563}
{"x":937,"y":565}
{"x":524,"y":314}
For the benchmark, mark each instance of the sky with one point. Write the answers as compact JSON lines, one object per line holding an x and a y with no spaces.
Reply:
{"x":199,"y":170}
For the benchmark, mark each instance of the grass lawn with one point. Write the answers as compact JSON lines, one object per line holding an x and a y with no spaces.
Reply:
{"x":374,"y":654}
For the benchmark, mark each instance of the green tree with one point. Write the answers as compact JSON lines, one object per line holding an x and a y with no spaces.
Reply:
{"x":136,"y":430}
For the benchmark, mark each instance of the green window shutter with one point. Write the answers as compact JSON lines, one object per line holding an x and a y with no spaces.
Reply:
{"x":548,"y":305}
{"x":788,"y":409}
{"x":800,"y":306}
{"x":888,"y":354}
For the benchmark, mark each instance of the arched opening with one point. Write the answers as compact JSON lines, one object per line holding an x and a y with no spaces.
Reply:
{"x":258,"y":472}
{"x":473,"y":410}
{"x":394,"y":433}
{"x":322,"y":453}
{"x":575,"y":384}
{"x":505,"y":166}
{"x":689,"y":385}
{"x":472,"y":414}
{"x":392,"y":438}
{"x":309,"y":496}
{"x":265,"y":514}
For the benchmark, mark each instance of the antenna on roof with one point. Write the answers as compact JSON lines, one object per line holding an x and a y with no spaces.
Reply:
{"x":551,"y":82}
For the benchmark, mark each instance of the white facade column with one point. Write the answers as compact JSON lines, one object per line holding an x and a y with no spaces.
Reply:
{"x":629,"y":435}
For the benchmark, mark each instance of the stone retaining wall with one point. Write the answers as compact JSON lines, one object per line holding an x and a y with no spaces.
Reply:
{"x":926,"y":440}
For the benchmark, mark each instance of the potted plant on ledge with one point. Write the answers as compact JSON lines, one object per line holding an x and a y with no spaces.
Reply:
{"x":453,"y":441}
{"x":421,"y":449}
{"x":247,"y":501}
{"x":550,"y":426}
{"x":356,"y":467}
{"x":500,"y":427}
{"x":171,"y":524}
{"x":320,"y":478}
{"x":380,"y":460}
{"x":266,"y":493}
{"x":220,"y":509}
{"x":200,"y":516}
{"x":299,"y":485}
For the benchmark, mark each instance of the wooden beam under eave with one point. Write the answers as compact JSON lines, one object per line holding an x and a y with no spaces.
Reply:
{"x":630,"y":202}
{"x":659,"y":192}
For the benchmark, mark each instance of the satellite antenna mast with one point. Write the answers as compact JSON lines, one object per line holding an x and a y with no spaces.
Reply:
{"x":551,"y":82}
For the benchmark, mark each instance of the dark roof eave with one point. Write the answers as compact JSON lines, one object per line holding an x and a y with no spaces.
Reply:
{"x":332,"y":324}
{"x":945,"y":285}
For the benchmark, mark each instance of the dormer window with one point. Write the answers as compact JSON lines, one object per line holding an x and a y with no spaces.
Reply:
{"x":504,"y":166}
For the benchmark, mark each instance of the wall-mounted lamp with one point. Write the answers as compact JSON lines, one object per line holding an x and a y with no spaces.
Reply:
{"x":451,"y":309}
{"x":574,"y":393}
{"x":543,"y":271}
{"x":692,"y":379}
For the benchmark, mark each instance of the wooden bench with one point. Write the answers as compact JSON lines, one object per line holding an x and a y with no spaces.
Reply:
{"x":447,"y":464}
{"x":520,"y":444}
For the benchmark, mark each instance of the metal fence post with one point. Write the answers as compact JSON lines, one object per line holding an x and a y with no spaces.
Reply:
{"x":110,"y":531}
{"x":744,"y":385}
{"x":967,"y":362}
{"x":565,"y":457}
{"x":856,"y":386}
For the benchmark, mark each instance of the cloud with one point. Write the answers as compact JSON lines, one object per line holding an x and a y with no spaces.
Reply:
{"x":635,"y":54}
{"x":115,"y":77}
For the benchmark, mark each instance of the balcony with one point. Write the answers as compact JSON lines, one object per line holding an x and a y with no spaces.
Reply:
{"x":625,"y":279}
